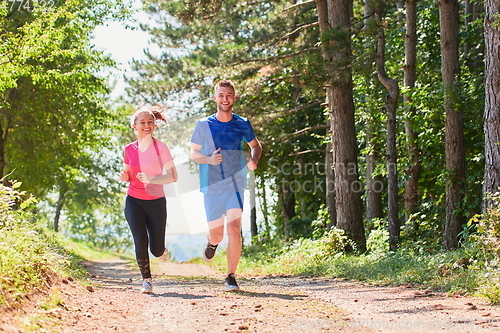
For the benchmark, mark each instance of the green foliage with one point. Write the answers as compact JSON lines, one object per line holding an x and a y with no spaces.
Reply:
{"x":487,"y":242}
{"x":302,"y":256}
{"x":30,"y":258}
{"x":378,"y":238}
{"x":488,"y":226}
{"x":491,"y":291}
{"x":265,"y":250}
{"x":11,"y":197}
{"x":272,"y":50}
{"x":335,"y":241}
{"x":321,"y":223}
{"x":463,"y":271}
{"x":420,"y":230}
{"x":272,"y":55}
{"x":54,"y":120}
{"x":299,"y":227}
{"x":299,"y":256}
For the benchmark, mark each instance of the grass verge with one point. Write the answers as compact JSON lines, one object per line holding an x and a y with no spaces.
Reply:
{"x":465,"y":271}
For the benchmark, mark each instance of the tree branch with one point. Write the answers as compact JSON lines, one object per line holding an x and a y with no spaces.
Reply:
{"x":308,"y":151}
{"x":277,"y":57}
{"x":299,"y":4}
{"x":304,"y":26}
{"x":292,"y":110}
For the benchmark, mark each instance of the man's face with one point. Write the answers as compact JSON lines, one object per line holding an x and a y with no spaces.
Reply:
{"x":224,"y":97}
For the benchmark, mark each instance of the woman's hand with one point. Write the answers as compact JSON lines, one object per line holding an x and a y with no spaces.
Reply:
{"x":143,"y":178}
{"x":125,"y":176}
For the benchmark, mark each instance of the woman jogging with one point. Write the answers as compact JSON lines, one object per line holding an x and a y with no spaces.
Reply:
{"x":148,"y":165}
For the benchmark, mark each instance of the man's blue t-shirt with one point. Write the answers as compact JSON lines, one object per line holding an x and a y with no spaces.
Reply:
{"x":212,"y":134}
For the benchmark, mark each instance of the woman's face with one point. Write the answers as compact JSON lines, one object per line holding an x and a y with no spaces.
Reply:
{"x":144,"y":124}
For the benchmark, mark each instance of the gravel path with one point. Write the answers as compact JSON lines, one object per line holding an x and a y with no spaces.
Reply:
{"x":189,"y":298}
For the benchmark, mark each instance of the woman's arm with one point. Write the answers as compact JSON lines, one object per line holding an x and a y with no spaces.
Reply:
{"x":169,"y":177}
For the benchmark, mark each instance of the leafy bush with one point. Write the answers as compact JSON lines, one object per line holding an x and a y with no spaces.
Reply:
{"x":266,"y":249}
{"x":300,"y":227}
{"x":378,"y":238}
{"x":488,"y":226}
{"x":10,"y":197}
{"x":486,"y":243}
{"x":309,"y":256}
{"x":464,"y":271}
{"x":30,"y":259}
{"x":334,"y":241}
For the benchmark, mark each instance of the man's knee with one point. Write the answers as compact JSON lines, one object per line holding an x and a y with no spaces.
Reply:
{"x":234,"y":228}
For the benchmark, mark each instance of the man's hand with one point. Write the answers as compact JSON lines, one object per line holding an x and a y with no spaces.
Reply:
{"x":251,"y":163}
{"x":216,"y":157}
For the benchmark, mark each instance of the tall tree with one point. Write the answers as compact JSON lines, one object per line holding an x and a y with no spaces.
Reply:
{"x":474,"y":49}
{"x":334,"y":21}
{"x":454,"y":137}
{"x":491,"y":182}
{"x":391,"y":107}
{"x":410,"y":72}
{"x":269,"y":50}
{"x":330,"y":188}
{"x":374,"y":208}
{"x":52,"y":103}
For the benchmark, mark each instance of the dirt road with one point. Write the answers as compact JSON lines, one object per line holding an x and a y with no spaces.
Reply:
{"x":189,"y":298}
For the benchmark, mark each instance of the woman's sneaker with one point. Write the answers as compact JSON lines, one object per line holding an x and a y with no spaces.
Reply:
{"x":209,"y":252}
{"x":147,"y":286}
{"x":230,"y":283}
{"x":165,"y":256}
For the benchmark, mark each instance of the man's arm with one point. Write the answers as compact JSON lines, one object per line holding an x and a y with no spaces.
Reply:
{"x":255,"y":153}
{"x":196,"y":155}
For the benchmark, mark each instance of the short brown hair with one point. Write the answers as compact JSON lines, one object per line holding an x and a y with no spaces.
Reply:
{"x":224,"y":83}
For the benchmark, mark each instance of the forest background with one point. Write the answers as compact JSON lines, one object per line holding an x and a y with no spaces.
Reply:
{"x":379,"y":119}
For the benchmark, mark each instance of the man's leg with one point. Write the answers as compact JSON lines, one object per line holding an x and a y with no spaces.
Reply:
{"x":234,"y":244}
{"x":216,"y":231}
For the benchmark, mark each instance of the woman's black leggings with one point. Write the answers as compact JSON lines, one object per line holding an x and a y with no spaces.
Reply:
{"x":147,"y":220}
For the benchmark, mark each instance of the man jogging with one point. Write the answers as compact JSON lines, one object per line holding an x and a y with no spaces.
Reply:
{"x":216,"y":144}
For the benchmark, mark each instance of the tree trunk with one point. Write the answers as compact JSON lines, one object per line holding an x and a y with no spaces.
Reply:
{"x":59,"y":206}
{"x":391,"y":105}
{"x":334,"y":20}
{"x":330,"y":187}
{"x":287,"y":198}
{"x":400,"y":5}
{"x":474,"y":55}
{"x":374,"y":186}
{"x":454,"y":136}
{"x":264,"y":205}
{"x":253,"y":208}
{"x":2,"y":154}
{"x":5,"y":124}
{"x":410,"y":70}
{"x":492,"y":103}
